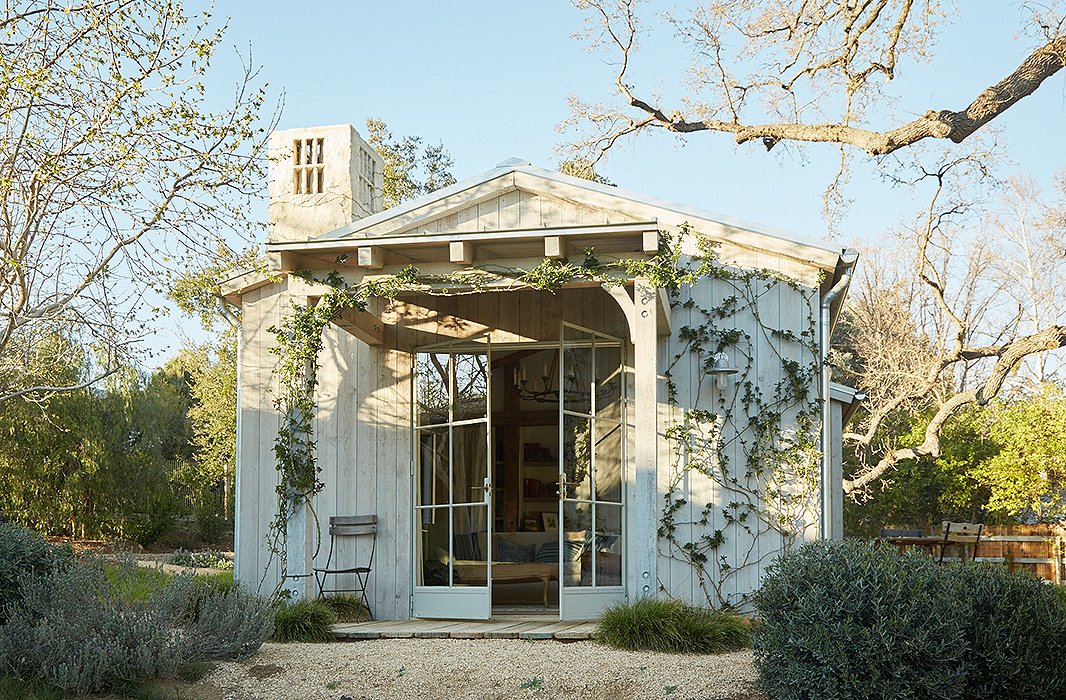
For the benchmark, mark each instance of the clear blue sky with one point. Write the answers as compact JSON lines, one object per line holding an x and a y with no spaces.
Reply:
{"x":490,"y":80}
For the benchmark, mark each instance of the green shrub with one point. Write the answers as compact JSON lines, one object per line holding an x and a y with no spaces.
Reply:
{"x":159,"y":518}
{"x":15,"y":688}
{"x":670,"y":626}
{"x":79,"y":629}
{"x":24,"y":553}
{"x":851,"y":620}
{"x":304,"y":621}
{"x":205,"y":559}
{"x":347,"y":608}
{"x":1017,"y":634}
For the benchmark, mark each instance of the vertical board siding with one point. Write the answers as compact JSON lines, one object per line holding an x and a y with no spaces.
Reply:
{"x":259,"y":426}
{"x":246,"y":549}
{"x":779,"y":306}
{"x":363,"y":414}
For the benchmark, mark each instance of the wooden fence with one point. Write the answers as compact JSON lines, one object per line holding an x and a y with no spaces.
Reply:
{"x":1040,"y":549}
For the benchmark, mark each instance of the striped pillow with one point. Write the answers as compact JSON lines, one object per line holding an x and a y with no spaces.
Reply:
{"x":548,"y":553}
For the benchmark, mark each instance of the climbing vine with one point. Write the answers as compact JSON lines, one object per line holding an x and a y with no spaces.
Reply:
{"x":756,"y":444}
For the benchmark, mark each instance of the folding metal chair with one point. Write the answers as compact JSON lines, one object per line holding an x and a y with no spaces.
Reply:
{"x":961,"y":533}
{"x":349,"y":526}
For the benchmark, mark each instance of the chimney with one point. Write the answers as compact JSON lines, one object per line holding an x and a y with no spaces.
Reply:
{"x":321,"y":178}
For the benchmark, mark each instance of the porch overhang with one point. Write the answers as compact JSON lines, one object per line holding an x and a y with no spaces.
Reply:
{"x":501,"y":247}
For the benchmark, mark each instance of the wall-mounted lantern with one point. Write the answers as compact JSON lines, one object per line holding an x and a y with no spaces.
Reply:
{"x":722,"y":370}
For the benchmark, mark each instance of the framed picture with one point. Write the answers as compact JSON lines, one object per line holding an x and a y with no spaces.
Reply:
{"x":551,"y":522}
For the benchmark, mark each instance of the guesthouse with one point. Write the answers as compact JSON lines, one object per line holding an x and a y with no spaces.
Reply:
{"x":553,"y":394}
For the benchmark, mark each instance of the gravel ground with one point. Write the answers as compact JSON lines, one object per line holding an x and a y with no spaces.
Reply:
{"x":443,"y":669}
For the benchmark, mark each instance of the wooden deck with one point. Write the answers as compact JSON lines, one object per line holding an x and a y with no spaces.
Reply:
{"x":516,"y":627}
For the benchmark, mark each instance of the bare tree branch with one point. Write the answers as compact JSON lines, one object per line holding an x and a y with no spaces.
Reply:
{"x":827,"y":38}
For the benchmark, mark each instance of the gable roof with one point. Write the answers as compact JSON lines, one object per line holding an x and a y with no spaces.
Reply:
{"x":516,"y":175}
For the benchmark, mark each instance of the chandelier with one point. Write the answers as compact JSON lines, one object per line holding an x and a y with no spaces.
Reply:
{"x":539,"y":389}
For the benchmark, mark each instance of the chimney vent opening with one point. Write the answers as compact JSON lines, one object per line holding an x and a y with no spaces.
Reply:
{"x":309,"y":166}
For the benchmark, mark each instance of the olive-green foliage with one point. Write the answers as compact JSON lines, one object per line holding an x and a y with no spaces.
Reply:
{"x":347,"y":608}
{"x":127,"y":459}
{"x":15,"y":688}
{"x":852,"y":620}
{"x":96,"y":463}
{"x":1017,"y":634}
{"x":304,"y":621}
{"x":670,"y":626}
{"x":83,"y":630}
{"x":997,"y":462}
{"x":923,"y":493}
{"x":206,"y":478}
{"x":411,"y":170}
{"x":25,"y":554}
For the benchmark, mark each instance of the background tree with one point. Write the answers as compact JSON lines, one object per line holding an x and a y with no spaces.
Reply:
{"x":802,"y":71}
{"x":950,"y":329}
{"x":411,"y":170}
{"x":96,"y":462}
{"x":956,"y":321}
{"x":113,"y":172}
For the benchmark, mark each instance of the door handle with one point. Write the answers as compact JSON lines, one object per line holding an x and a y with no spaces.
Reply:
{"x":568,"y":484}
{"x":488,"y":490}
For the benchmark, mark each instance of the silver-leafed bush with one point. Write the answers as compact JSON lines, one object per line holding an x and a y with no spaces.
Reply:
{"x":853,"y":621}
{"x":76,"y":630}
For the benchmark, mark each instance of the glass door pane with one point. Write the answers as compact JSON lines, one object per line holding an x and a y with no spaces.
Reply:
{"x":453,"y":536}
{"x":592,"y":443}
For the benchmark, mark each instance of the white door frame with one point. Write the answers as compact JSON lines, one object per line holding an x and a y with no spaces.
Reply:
{"x":578,"y":602}
{"x":452,"y":601}
{"x":475,"y":602}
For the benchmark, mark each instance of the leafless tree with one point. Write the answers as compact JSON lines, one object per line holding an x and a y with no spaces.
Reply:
{"x":810,"y":71}
{"x":114,"y":172}
{"x":955,"y":326}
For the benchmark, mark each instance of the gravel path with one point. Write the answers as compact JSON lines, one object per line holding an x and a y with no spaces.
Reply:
{"x":443,"y":669}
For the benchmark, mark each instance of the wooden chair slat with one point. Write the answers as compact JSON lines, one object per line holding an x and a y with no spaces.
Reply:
{"x":344,"y":526}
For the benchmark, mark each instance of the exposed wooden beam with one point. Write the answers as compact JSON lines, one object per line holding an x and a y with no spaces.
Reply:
{"x":650,"y":240}
{"x":526,"y":234}
{"x":364,"y":326}
{"x":663,"y":315}
{"x":554,"y":247}
{"x":461,"y":252}
{"x":371,"y":257}
{"x":629,"y":308}
{"x":625,"y":303}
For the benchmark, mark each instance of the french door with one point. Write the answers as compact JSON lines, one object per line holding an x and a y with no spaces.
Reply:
{"x":453,"y":482}
{"x":591,"y":472}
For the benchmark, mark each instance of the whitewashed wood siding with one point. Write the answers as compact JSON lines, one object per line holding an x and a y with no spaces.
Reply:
{"x":363,"y":417}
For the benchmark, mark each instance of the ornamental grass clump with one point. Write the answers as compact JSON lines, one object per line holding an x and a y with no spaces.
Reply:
{"x":852,"y":620}
{"x":347,"y":608}
{"x":304,"y":621}
{"x":670,"y":626}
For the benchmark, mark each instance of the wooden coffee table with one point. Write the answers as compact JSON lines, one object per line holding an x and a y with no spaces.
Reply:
{"x":508,"y":572}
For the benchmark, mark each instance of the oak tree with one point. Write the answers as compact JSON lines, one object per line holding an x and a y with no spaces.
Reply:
{"x":813,"y":72}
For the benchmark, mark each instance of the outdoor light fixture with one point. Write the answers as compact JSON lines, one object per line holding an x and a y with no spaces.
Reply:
{"x":722,"y":369}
